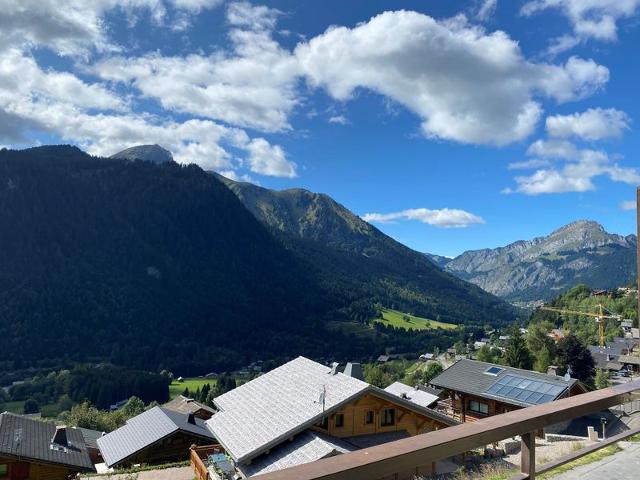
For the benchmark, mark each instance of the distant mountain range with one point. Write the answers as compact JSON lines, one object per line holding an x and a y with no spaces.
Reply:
{"x":363,"y":265}
{"x":540,"y":269}
{"x":153,"y":265}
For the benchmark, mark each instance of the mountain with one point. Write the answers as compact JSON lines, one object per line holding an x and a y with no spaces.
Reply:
{"x":539,"y":269}
{"x":147,"y":153}
{"x":144,"y":265}
{"x":361,"y":264}
{"x":154,"y":266}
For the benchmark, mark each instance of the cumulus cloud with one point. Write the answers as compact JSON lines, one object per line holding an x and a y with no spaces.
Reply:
{"x":592,"y":124}
{"x":339,"y":119}
{"x":592,"y":19}
{"x":465,"y":84}
{"x":529,"y":164}
{"x":628,"y":205}
{"x":254,"y":85}
{"x":575,"y":175}
{"x":444,"y":218}
{"x":268,"y":159}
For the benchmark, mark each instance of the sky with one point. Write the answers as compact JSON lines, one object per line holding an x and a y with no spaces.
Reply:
{"x":449,"y":125}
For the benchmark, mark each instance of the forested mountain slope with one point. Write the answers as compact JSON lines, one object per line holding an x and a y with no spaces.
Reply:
{"x":363,"y":265}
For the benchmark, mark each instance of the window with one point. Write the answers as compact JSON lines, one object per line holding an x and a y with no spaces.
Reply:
{"x":339,"y":420}
{"x":324,"y":424}
{"x":495,"y":371}
{"x":368,"y":418}
{"x":478,"y":407}
{"x":4,"y":471}
{"x":388,"y":417}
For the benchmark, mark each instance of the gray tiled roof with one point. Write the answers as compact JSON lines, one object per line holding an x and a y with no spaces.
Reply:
{"x":412,"y":394}
{"x":145,"y":429}
{"x":264,"y":412}
{"x":304,"y":448}
{"x":261,"y":413}
{"x":90,"y":436}
{"x":31,"y":439}
{"x":630,"y":359}
{"x":468,"y":376}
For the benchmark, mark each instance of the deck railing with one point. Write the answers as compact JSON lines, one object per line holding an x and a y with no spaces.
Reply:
{"x":415,"y":455}
{"x":197,"y":456}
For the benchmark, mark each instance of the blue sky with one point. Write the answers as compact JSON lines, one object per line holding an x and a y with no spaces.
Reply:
{"x":450,"y":125}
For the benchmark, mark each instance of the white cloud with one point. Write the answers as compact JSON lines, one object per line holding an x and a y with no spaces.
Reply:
{"x":593,"y":124}
{"x":590,"y":19}
{"x":195,"y":6}
{"x":486,"y":10}
{"x":339,"y":119}
{"x":529,"y":164}
{"x":252,"y":86}
{"x":445,"y":218}
{"x":628,"y":205}
{"x":465,"y":84}
{"x":557,"y":149}
{"x":575,"y":175}
{"x":267,"y":159}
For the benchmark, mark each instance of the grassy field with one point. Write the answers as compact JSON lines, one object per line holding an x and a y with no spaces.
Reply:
{"x":176,"y":388}
{"x":411,"y":322}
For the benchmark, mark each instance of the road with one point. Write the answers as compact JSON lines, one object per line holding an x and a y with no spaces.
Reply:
{"x":623,"y":465}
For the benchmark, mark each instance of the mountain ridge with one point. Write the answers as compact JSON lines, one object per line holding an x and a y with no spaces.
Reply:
{"x":541,"y":268}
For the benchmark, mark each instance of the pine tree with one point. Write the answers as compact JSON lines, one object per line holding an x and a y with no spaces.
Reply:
{"x":516,"y":352}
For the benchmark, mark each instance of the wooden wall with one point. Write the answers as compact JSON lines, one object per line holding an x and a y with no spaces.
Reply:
{"x":172,"y":448}
{"x":355,"y":415}
{"x":34,"y":471}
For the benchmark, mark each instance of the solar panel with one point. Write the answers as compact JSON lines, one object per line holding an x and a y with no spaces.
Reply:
{"x":525,"y":390}
{"x":493,"y":370}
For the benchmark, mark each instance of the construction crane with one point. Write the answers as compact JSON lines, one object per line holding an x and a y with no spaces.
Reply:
{"x":600,"y":317}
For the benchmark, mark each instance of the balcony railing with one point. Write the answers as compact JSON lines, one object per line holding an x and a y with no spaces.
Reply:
{"x":415,"y":455}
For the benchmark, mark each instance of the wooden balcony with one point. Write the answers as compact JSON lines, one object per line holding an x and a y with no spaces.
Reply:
{"x":198,"y":457}
{"x":416,"y":455}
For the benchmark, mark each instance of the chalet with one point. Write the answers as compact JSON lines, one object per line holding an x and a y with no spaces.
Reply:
{"x":630,"y":362}
{"x":478,"y":389}
{"x":304,"y":411}
{"x":186,"y":405}
{"x":416,"y":395}
{"x":91,"y":443}
{"x":35,"y":450}
{"x":156,"y":436}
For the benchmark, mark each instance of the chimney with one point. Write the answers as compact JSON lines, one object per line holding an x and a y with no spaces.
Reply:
{"x":334,"y":368}
{"x":552,"y":370}
{"x":354,"y":369}
{"x":191,"y":418}
{"x":60,"y":437}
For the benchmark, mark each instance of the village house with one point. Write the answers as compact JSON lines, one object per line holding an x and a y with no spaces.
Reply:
{"x":36,"y":450}
{"x":186,"y":405}
{"x":303,"y":411}
{"x":156,"y":436}
{"x":479,"y":389}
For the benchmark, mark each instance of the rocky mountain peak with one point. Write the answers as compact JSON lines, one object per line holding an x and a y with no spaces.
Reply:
{"x":148,"y":153}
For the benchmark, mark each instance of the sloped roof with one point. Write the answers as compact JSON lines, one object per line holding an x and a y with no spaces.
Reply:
{"x":183,"y":404}
{"x":412,"y":394}
{"x":31,"y":439}
{"x":469,"y":376}
{"x":90,"y":436}
{"x":146,"y":429}
{"x":304,"y":448}
{"x":630,"y":359}
{"x":264,"y":412}
{"x":261,"y":413}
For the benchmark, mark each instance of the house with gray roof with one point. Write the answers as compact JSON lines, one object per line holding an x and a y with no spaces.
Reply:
{"x":413,"y":394}
{"x":34,"y":449}
{"x":156,"y":436}
{"x":479,"y":389}
{"x":303,"y":411}
{"x":187,"y":405}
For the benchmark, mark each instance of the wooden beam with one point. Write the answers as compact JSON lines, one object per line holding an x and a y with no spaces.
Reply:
{"x":528,"y":455}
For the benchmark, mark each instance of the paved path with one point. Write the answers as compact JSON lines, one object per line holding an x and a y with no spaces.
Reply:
{"x":623,"y":465}
{"x":180,"y":473}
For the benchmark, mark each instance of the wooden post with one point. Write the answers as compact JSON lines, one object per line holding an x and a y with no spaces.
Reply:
{"x":528,"y":455}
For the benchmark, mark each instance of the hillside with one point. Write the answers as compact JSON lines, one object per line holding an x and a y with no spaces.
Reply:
{"x":539,"y":269}
{"x":363,"y":266}
{"x":143,"y":265}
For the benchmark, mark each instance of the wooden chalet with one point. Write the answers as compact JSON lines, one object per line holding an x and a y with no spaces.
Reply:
{"x":477,"y":389}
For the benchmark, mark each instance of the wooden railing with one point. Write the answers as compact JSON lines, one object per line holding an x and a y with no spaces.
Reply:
{"x":197,"y":456}
{"x":416,"y":455}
